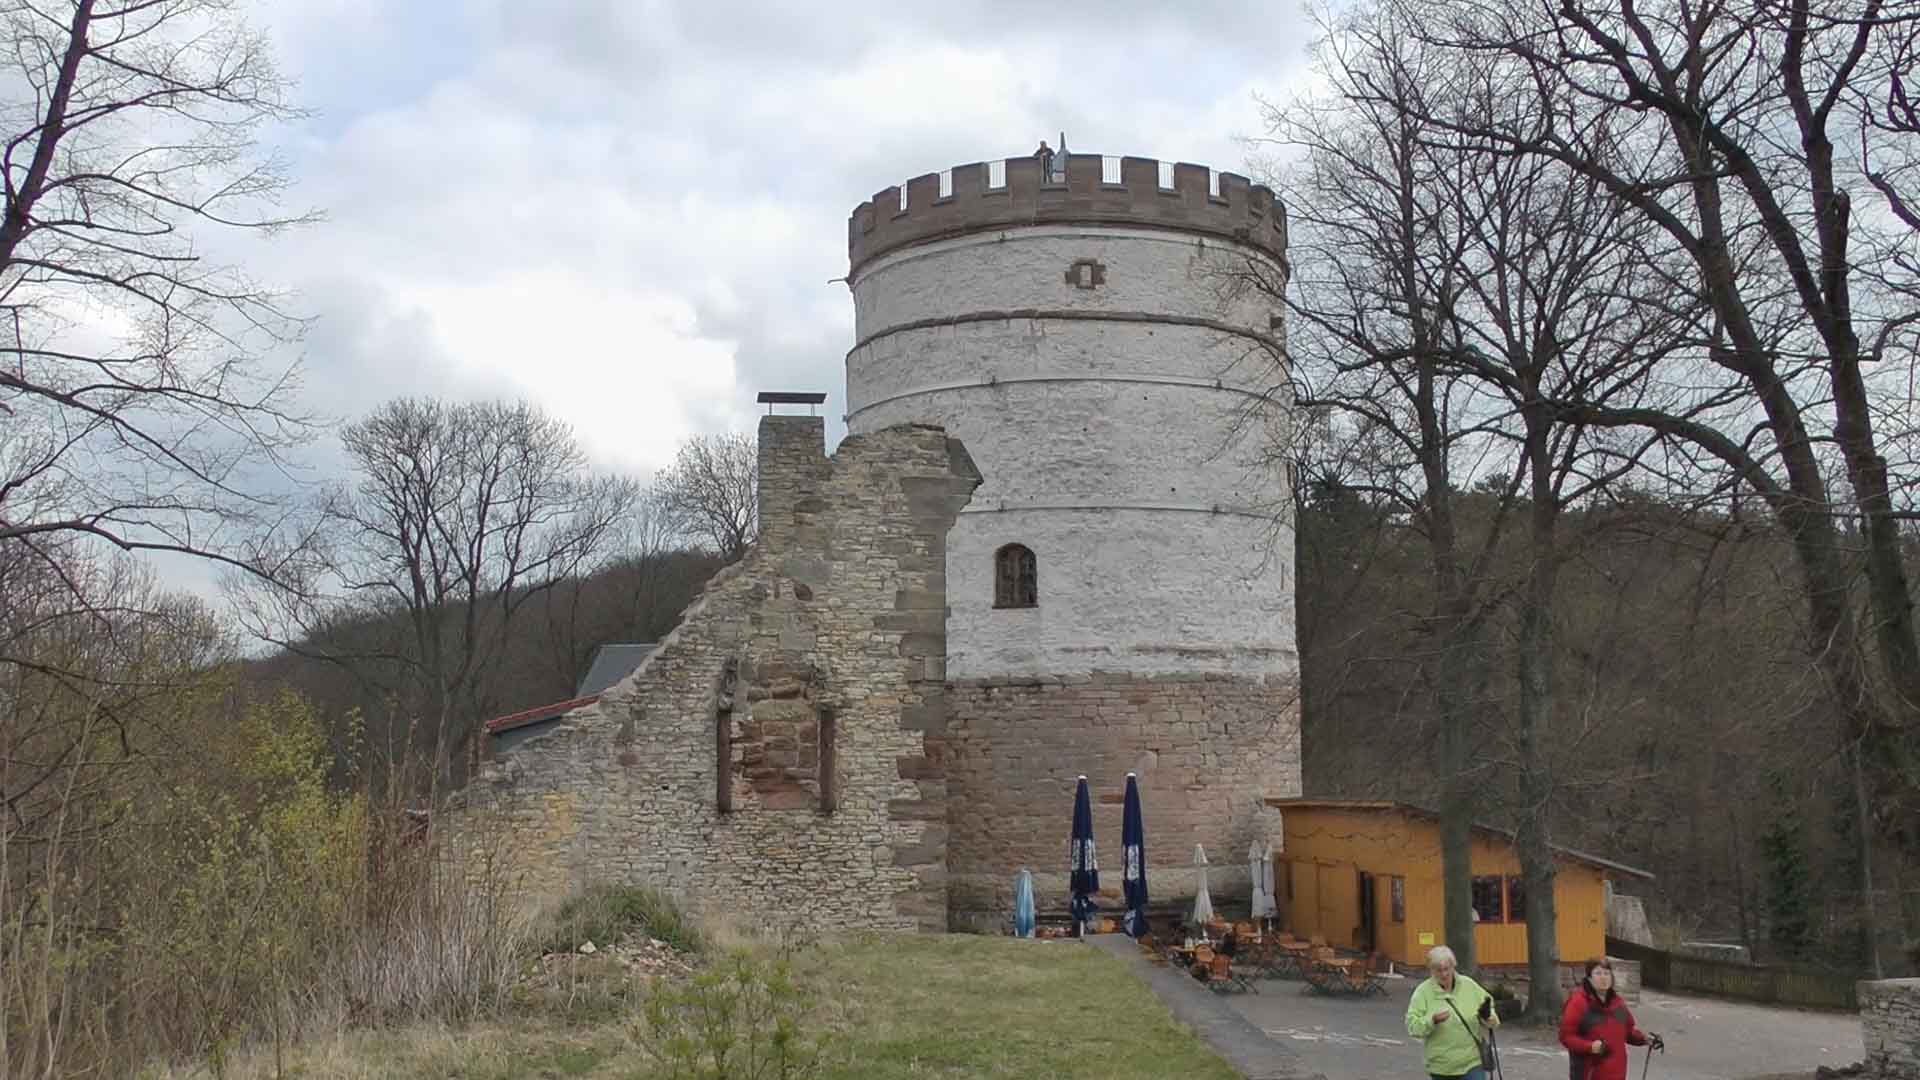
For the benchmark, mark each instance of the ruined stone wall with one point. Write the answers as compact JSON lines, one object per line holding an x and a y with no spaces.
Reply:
{"x":1890,"y":1027}
{"x":1207,"y":750}
{"x":834,"y":621}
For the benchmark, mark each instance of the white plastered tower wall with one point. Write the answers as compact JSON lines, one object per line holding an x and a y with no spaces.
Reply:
{"x":1094,"y":346}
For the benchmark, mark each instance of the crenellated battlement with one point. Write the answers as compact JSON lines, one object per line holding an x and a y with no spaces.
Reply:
{"x":1239,"y":210}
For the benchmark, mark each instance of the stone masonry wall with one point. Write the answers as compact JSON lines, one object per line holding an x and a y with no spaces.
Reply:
{"x":835,"y":621}
{"x":1890,"y":1027}
{"x":1626,"y":977}
{"x":1208,"y":749}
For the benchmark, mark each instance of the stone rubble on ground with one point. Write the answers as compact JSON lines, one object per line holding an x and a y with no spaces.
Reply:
{"x":641,"y":958}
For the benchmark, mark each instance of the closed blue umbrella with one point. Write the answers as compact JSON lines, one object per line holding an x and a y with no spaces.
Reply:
{"x":1085,"y":879}
{"x":1133,"y":845}
{"x":1023,"y":904}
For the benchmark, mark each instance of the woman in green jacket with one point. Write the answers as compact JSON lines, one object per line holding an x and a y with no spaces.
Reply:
{"x":1453,"y":1016}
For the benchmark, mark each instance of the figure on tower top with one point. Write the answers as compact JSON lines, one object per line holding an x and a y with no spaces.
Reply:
{"x":1053,"y":163}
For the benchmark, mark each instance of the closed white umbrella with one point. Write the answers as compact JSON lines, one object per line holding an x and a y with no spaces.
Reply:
{"x":1260,"y":873}
{"x":1202,"y":902}
{"x":1266,"y":878}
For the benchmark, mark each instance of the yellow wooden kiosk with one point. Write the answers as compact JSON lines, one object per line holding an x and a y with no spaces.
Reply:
{"x":1365,"y":875}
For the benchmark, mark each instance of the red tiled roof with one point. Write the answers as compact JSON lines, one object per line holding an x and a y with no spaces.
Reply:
{"x":535,"y":715}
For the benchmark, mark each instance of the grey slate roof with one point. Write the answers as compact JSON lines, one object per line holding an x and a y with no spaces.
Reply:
{"x":611,"y":664}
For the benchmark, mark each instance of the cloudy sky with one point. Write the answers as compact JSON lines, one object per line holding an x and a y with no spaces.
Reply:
{"x":632,"y":211}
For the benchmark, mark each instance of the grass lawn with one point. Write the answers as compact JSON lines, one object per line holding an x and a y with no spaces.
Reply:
{"x":910,"y":1007}
{"x":985,"y":1006}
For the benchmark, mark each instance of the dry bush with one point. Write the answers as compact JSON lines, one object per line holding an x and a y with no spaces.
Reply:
{"x":229,"y":896}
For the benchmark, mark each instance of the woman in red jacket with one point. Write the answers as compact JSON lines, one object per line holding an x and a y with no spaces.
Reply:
{"x":1597,"y":1028}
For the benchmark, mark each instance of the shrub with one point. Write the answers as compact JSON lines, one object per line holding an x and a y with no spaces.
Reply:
{"x":225,"y":894}
{"x":603,"y":914}
{"x":743,"y":1019}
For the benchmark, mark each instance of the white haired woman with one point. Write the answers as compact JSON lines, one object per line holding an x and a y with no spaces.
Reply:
{"x":1448,"y":1013}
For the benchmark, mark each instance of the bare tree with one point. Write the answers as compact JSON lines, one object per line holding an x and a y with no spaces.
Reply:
{"x":1888,"y":109}
{"x":1374,"y":248}
{"x":137,"y":409}
{"x":576,"y":624}
{"x":1448,"y":296}
{"x":1717,"y":124}
{"x":459,"y":516}
{"x":1567,"y":299}
{"x":710,"y":492}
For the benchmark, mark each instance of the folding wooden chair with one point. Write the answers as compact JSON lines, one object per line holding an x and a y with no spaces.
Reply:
{"x":1321,"y":975}
{"x":1277,"y":963}
{"x":1203,"y":956}
{"x":1224,"y":978}
{"x":1359,"y":980}
{"x":1257,"y":961}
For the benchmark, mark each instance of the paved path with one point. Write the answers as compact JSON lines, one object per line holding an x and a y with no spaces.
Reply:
{"x":1707,"y":1039}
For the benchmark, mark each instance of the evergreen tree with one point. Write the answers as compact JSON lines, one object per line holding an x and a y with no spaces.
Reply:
{"x":1789,"y":886}
{"x":1847,"y":933}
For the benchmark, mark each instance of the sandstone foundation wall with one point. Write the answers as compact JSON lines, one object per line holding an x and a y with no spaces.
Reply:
{"x":771,"y":758}
{"x":1208,"y":749}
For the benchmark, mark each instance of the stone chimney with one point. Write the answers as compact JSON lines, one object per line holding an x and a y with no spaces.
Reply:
{"x":793,"y":460}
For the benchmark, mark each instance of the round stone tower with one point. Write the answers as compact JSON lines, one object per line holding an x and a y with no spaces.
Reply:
{"x":1120,"y":589}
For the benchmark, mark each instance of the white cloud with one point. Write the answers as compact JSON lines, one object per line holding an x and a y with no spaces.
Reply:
{"x":631,"y":212}
{"x":589,"y":351}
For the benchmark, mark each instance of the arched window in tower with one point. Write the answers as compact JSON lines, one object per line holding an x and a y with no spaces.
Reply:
{"x":1014,"y":578}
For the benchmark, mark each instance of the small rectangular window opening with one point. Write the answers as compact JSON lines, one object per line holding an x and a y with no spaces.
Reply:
{"x":946,"y":184}
{"x":1213,"y":182}
{"x":1166,"y":175}
{"x":903,"y":196}
{"x":996,"y":174}
{"x":1016,"y":578}
{"x":829,"y":781}
{"x":1109,"y":169}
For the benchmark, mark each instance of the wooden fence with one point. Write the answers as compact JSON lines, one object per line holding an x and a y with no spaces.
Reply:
{"x":1778,"y":985}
